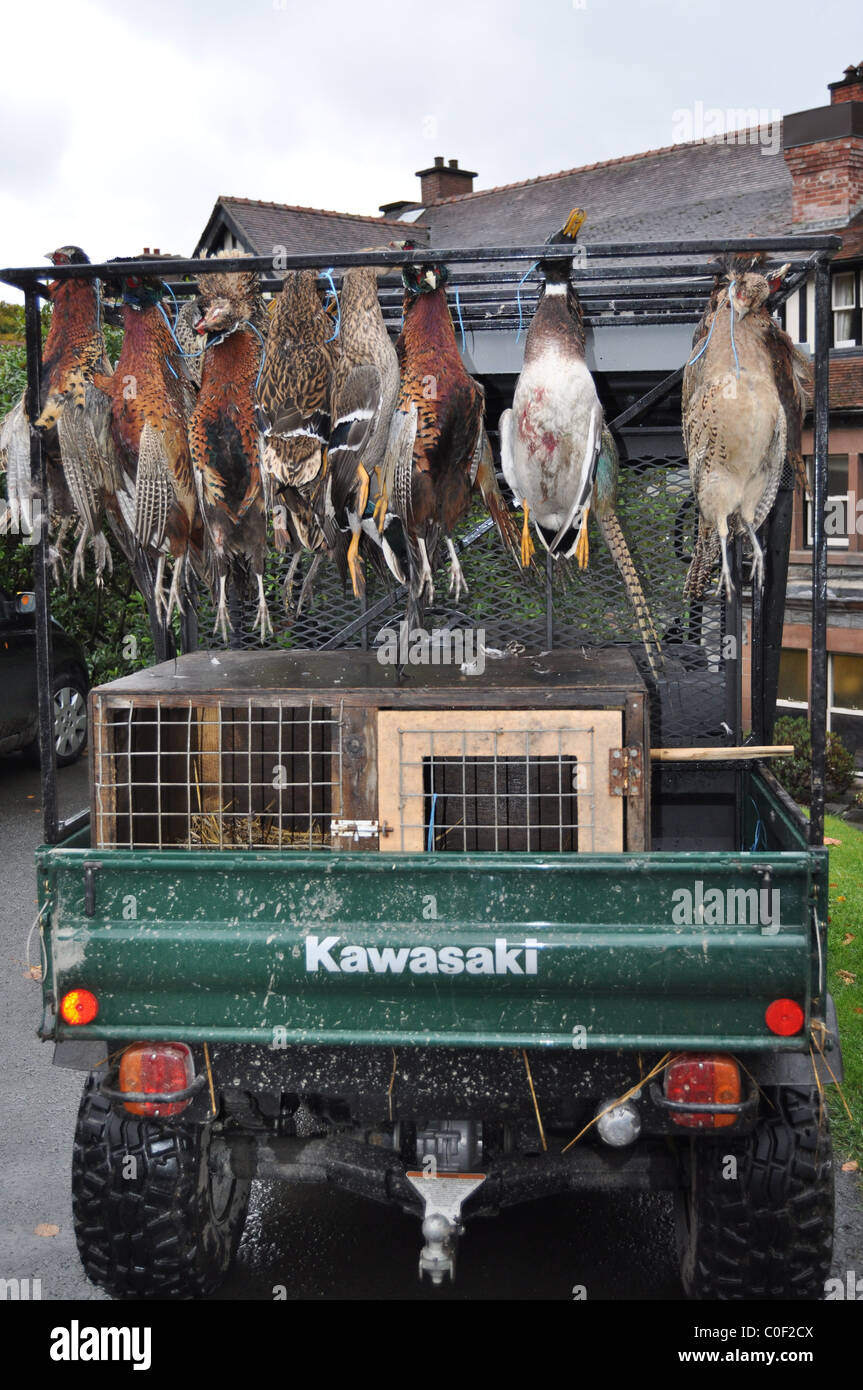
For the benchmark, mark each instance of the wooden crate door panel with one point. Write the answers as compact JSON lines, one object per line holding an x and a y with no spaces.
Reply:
{"x":514,"y":776}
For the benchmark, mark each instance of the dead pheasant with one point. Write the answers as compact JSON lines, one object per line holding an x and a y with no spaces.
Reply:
{"x":743,"y":402}
{"x":225,"y":439}
{"x":80,"y":463}
{"x":294,"y":411}
{"x":151,"y":398}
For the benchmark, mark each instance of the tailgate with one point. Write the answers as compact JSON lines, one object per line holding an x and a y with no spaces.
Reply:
{"x":566,"y":950}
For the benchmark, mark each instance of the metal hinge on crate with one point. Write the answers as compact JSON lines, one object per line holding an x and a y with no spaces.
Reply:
{"x":359,"y":829}
{"x":625,"y":771}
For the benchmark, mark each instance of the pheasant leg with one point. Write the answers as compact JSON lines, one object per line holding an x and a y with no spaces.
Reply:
{"x":725,"y":577}
{"x":175,"y":594}
{"x":223,"y":621}
{"x":159,"y":599}
{"x":757,"y":558}
{"x":456,"y":576}
{"x":308,"y":587}
{"x":287,"y":587}
{"x":78,"y":557}
{"x":262,"y":617}
{"x":426,"y":580}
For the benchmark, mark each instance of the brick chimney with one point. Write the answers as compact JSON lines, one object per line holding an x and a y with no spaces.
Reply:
{"x":850,"y":87}
{"x":823,"y":149}
{"x":444,"y":181}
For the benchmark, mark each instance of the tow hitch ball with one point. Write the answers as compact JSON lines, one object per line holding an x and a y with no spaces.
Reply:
{"x":443,"y":1196}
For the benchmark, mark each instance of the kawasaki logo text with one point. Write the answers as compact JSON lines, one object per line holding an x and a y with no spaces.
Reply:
{"x":504,"y":959}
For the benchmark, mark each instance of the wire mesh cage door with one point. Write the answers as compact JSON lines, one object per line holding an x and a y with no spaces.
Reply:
{"x":477,"y":780}
{"x":229,"y":774}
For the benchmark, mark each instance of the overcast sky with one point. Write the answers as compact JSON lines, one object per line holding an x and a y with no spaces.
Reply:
{"x":128,"y":119}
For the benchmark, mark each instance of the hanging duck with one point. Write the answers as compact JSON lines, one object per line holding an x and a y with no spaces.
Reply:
{"x":550,"y":439}
{"x":556,"y":454}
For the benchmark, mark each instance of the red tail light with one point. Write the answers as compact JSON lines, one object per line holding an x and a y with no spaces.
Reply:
{"x":156,"y":1068}
{"x":706,"y":1079}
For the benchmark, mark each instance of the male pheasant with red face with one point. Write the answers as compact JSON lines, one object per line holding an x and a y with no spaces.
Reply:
{"x":438,"y":429}
{"x":225,"y":438}
{"x":151,"y":398}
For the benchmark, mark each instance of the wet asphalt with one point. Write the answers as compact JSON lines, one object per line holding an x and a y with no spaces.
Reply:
{"x":305,"y":1243}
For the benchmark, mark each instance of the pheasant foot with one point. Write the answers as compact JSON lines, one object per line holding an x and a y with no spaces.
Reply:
{"x":456,"y":576}
{"x":757,"y":558}
{"x":308,"y":586}
{"x":426,"y":579}
{"x":287,"y":587}
{"x":78,"y":557}
{"x":725,"y":577}
{"x":223,"y":621}
{"x":175,"y":593}
{"x":262,"y":617}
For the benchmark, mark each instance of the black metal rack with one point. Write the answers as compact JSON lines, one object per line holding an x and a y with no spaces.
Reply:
{"x":621,"y":285}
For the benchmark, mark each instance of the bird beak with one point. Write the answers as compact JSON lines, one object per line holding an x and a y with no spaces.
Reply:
{"x":430,"y":279}
{"x":201,"y":326}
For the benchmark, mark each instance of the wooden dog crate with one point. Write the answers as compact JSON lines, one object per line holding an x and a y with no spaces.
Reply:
{"x":333,"y":750}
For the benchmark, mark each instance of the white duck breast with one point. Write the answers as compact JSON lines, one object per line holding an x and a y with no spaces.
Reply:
{"x":550,"y":442}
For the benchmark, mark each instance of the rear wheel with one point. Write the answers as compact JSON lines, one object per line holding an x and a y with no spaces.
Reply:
{"x":755,"y":1214}
{"x":158,"y":1212}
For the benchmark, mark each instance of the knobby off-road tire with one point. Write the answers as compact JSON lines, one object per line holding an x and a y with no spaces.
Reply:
{"x":165,"y":1224}
{"x":769,"y":1233}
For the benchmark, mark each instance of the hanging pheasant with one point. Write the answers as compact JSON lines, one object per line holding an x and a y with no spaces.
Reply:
{"x":294,"y":410}
{"x":743,"y":403}
{"x":80,"y":464}
{"x":436,"y":436}
{"x":151,"y":398}
{"x":225,"y":439}
{"x":354,"y":497}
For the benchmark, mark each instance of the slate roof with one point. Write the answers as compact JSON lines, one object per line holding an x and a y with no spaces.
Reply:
{"x":681,"y":192}
{"x":261,"y":226}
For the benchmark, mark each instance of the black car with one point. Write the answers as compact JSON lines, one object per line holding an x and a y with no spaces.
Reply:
{"x":19,"y":713}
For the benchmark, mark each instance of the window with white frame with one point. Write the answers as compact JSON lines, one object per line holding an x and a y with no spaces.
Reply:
{"x":845,"y":303}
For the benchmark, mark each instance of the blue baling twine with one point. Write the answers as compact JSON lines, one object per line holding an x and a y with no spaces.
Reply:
{"x":529,"y":271}
{"x":759,"y":830}
{"x":430,"y":841}
{"x":706,"y":342}
{"x":460,"y":319}
{"x":176,"y":305}
{"x":243,"y":323}
{"x":328,"y":275}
